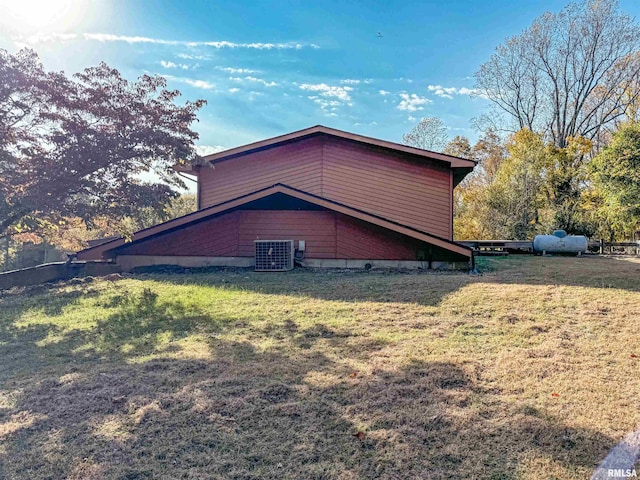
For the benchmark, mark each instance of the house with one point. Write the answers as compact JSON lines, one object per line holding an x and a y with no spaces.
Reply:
{"x":326,"y":197}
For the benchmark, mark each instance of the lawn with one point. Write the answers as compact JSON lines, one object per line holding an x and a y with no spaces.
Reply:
{"x":530,"y":371}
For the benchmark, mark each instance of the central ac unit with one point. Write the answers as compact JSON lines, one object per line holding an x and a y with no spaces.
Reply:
{"x":274,"y":255}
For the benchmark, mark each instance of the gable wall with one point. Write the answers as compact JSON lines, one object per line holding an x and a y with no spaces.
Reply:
{"x":298,"y":165}
{"x":387,"y":184}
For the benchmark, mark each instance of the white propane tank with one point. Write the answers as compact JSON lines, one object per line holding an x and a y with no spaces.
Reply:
{"x":560,"y":242}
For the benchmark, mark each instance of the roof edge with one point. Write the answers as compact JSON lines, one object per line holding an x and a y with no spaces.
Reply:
{"x":453,"y":161}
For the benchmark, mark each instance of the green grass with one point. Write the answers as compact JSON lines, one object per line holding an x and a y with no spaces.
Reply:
{"x":530,"y":371}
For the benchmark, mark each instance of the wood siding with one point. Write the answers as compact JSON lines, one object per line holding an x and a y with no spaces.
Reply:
{"x":327,"y":235}
{"x":298,"y":165}
{"x":360,"y":240}
{"x":217,"y":237}
{"x":317,"y":228}
{"x":389,"y":184}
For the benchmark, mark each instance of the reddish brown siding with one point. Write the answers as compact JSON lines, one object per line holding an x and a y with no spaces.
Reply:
{"x":327,"y":235}
{"x":359,"y":240}
{"x":383,"y":183}
{"x":388,"y":185}
{"x":217,"y":237}
{"x":298,"y":165}
{"x":318,"y":229}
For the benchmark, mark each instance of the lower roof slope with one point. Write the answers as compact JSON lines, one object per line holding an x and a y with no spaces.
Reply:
{"x":107,"y":249}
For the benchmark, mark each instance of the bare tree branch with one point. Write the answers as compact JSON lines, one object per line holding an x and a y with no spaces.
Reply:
{"x":563,"y":75}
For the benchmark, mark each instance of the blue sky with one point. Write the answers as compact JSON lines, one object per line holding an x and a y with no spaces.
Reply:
{"x":267,"y":68}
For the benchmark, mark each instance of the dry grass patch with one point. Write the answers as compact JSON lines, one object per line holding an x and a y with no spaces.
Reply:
{"x":531,"y":371}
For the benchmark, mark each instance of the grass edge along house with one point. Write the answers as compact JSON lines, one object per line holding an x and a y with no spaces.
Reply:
{"x":317,"y":197}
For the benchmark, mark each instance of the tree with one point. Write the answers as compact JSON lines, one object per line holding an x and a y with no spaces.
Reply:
{"x":471,"y":219}
{"x":459,"y":146}
{"x":616,"y":176}
{"x":472,"y":216}
{"x":70,"y":234}
{"x":564,"y":177}
{"x":570,"y":74}
{"x":429,"y":134}
{"x":76,"y":146}
{"x":147,"y":216}
{"x":489,"y":151}
{"x":514,"y":199}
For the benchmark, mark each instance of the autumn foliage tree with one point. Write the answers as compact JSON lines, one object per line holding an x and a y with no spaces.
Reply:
{"x":458,"y":146}
{"x":472,"y":218}
{"x":522,"y":188}
{"x":76,"y":146}
{"x":564,"y":86}
{"x":616,"y":183}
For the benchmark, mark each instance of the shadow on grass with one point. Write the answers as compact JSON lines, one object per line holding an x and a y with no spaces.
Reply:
{"x":250,"y":414}
{"x":424,"y":288}
{"x":78,"y":408}
{"x":15,"y":302}
{"x":84,"y":411}
{"x":140,"y":325}
{"x":586,"y":271}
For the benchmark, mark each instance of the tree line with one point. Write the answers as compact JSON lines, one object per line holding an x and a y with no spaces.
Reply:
{"x":560,"y":147}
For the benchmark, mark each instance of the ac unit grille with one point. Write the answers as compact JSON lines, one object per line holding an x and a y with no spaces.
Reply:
{"x":274,"y":255}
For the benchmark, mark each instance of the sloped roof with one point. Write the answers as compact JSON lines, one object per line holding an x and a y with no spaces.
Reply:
{"x":200,"y":215}
{"x":454,"y":162}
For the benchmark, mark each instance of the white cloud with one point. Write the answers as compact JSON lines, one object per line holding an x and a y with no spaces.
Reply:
{"x":199,"y":84}
{"x":444,"y":92}
{"x":329,"y":97}
{"x":236,"y":71}
{"x":193,"y":82}
{"x":449,"y":92}
{"x":107,"y":37}
{"x":325,"y":103}
{"x":22,"y":41}
{"x":412,"y":102}
{"x":204,"y":150}
{"x":188,"y":56}
{"x":329,"y":107}
{"x":473,"y":92}
{"x":254,"y":80}
{"x":167,"y":64}
{"x":234,"y":90}
{"x":383,"y":92}
{"x":350,"y":81}
{"x":341,"y":93}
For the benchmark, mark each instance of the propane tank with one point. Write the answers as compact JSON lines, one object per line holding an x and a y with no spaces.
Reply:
{"x":560,"y":242}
